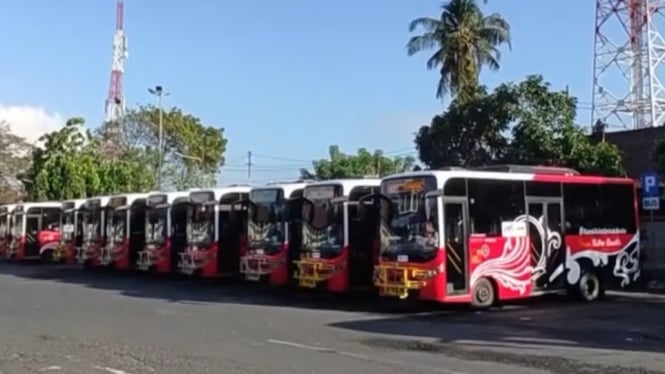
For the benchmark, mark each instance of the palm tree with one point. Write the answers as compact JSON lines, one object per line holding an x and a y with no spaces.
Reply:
{"x":465,"y":41}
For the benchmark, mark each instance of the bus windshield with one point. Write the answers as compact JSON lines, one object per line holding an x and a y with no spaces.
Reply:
{"x":4,"y":227}
{"x":408,"y":225}
{"x":266,"y":224}
{"x":155,"y":228}
{"x":201,"y":227}
{"x":68,"y":225}
{"x":17,"y":225}
{"x":90,"y":225}
{"x":116,"y":222}
{"x":323,"y":229}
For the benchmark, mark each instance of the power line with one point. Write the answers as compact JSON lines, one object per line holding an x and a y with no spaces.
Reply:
{"x":276,"y":158}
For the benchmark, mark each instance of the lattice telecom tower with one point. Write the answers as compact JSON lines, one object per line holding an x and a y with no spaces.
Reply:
{"x":115,"y":101}
{"x":628,"y":53}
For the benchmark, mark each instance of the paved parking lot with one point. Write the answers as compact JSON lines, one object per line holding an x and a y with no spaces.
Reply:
{"x":55,"y":319}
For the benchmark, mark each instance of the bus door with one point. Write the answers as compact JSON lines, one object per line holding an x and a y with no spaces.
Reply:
{"x":180,"y":221}
{"x":546,"y":258}
{"x":66,"y":250}
{"x":363,"y":240}
{"x":232,"y":225}
{"x":455,"y":239}
{"x":137,"y":212}
{"x":4,"y":232}
{"x":293,"y":218}
{"x":31,"y":231}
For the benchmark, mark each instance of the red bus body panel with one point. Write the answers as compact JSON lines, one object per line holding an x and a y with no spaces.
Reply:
{"x":160,"y":256}
{"x":333,"y":271}
{"x":203,"y":259}
{"x":276,"y":265}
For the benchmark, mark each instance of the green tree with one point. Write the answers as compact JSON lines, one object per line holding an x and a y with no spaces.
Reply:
{"x":56,"y":172}
{"x":363,"y":163}
{"x":465,"y":40}
{"x":15,"y":156}
{"x":71,"y":164}
{"x":192,"y":151}
{"x":525,"y":123}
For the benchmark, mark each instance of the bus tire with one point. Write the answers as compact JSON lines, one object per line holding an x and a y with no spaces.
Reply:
{"x":47,"y":256}
{"x":590,"y":287}
{"x":484,"y":294}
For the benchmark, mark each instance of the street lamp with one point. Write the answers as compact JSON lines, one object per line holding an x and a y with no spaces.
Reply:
{"x":159,"y":92}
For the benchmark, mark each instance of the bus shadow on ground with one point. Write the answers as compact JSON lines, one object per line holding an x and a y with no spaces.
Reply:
{"x":619,"y":324}
{"x":187,"y":290}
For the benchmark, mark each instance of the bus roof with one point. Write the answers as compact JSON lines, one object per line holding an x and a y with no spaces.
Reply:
{"x":77,"y":202}
{"x":287,"y":187}
{"x":443,"y":175}
{"x":347,"y":184}
{"x":221,"y":191}
{"x":40,"y":204}
{"x":131,"y":197}
{"x":103,"y":200}
{"x":171,"y":196}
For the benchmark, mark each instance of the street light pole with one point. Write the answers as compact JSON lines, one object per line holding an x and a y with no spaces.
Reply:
{"x":159,"y":92}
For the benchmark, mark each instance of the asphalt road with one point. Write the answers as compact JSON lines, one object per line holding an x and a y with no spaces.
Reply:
{"x":70,"y":321}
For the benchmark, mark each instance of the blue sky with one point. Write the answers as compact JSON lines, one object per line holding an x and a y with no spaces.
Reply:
{"x":285,"y":78}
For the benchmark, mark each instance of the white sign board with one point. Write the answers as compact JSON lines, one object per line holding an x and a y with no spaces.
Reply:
{"x":510,"y":229}
{"x":651,"y":203}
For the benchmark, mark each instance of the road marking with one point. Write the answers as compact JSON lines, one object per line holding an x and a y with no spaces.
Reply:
{"x":301,"y":346}
{"x":51,"y":368}
{"x":354,"y":355}
{"x":110,"y":370}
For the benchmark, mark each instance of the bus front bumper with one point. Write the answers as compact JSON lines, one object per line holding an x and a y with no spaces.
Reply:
{"x":397,"y":279}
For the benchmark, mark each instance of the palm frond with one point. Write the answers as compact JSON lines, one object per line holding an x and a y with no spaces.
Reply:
{"x":427,"y":23}
{"x":420,"y":43}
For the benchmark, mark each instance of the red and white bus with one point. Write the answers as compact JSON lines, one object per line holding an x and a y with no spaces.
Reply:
{"x":336,"y":252}
{"x":5,"y":226}
{"x":71,"y":236}
{"x":124,"y":230}
{"x":92,"y":215}
{"x":270,"y":233}
{"x":35,"y":231}
{"x":506,"y":232}
{"x":214,"y":236}
{"x":165,"y":230}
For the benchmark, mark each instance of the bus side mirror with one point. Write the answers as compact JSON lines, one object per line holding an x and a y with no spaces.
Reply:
{"x":431,"y":200}
{"x":366,"y":205}
{"x":293,"y":209}
{"x":387,"y":207}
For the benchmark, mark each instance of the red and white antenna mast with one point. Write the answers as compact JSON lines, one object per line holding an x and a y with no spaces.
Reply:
{"x":629,"y":52}
{"x":115,"y":102}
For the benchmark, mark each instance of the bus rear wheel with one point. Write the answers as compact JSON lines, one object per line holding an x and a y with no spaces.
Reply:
{"x":590,"y":288}
{"x":484,"y":295}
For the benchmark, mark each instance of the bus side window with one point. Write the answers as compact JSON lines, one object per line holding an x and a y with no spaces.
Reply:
{"x":618,"y":202}
{"x":51,"y":218}
{"x":582,"y":207}
{"x":492,"y":202}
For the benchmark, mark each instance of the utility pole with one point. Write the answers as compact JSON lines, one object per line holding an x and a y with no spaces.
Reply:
{"x":249,"y":167}
{"x":159,"y":92}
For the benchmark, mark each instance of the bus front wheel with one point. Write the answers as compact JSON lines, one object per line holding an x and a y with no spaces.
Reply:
{"x":484,"y":295}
